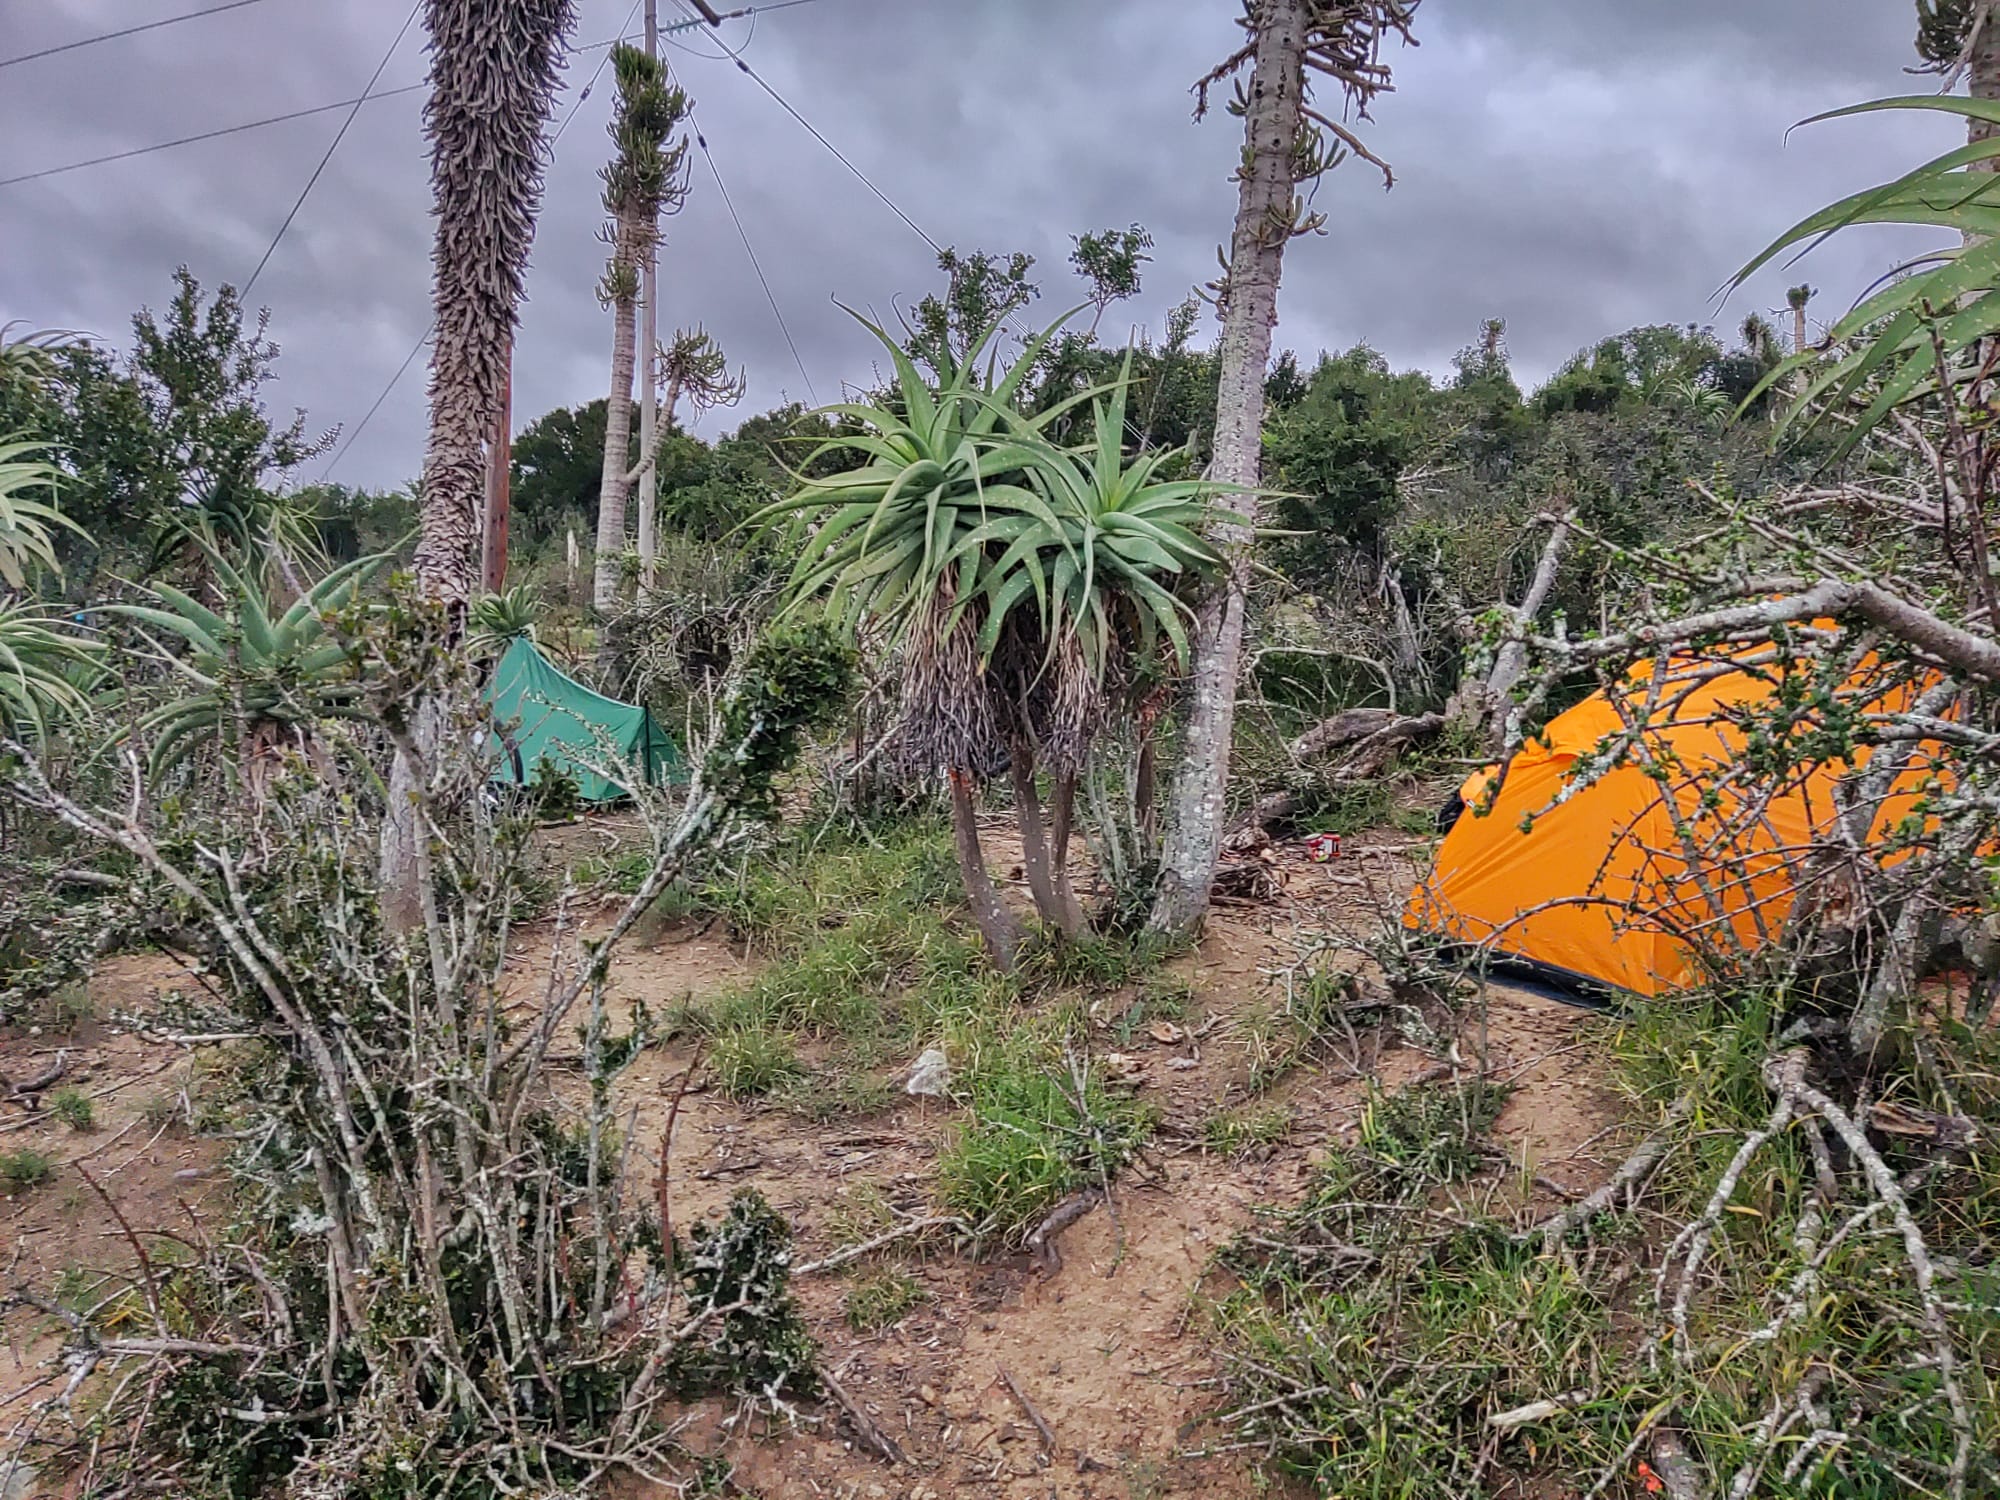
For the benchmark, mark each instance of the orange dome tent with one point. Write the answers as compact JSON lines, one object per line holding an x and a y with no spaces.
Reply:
{"x":1598,"y":884}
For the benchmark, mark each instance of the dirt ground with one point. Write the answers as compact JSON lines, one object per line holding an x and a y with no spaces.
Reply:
{"x":1107,"y":1349}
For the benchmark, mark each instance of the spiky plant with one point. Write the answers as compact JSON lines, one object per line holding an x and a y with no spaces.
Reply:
{"x":493,"y":75}
{"x":1893,"y":347}
{"x":497,"y":619}
{"x":258,"y":678}
{"x":29,"y":519}
{"x":44,"y":671}
{"x":1011,"y":572}
{"x":905,"y":538}
{"x":645,"y":177}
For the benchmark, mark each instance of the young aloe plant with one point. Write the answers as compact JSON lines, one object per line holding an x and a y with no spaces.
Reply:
{"x":45,"y":672}
{"x":28,"y":525}
{"x":259,"y":674}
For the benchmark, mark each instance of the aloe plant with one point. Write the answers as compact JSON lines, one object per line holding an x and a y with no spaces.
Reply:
{"x":45,"y":671}
{"x":28,"y":525}
{"x":1887,"y":347}
{"x":1011,"y":569}
{"x":254,"y":673}
{"x":496,"y":619}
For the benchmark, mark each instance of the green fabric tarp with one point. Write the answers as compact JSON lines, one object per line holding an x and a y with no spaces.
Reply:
{"x":547,"y":718}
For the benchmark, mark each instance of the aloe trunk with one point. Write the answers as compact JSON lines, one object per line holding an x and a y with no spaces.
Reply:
{"x":1053,"y":903}
{"x":615,"y":485}
{"x":1256,"y":261}
{"x":494,"y":65}
{"x":998,"y":928}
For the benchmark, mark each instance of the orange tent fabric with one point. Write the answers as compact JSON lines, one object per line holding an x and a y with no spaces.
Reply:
{"x":1600,"y":880}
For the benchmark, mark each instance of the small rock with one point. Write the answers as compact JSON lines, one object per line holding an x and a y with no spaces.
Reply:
{"x":1166,"y":1033}
{"x":1182,"y":1064}
{"x":931,"y":1077}
{"x":1119,"y":1067}
{"x":190,"y":1174}
{"x":20,"y":1481}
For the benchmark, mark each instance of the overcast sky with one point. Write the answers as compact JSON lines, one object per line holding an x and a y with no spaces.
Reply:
{"x":1574,"y":166}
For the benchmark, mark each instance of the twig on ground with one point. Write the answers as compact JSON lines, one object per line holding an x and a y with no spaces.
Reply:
{"x":1021,"y":1400}
{"x":869,"y":1247}
{"x":1636,"y":1166}
{"x":1042,"y":1243}
{"x":866,"y":1431}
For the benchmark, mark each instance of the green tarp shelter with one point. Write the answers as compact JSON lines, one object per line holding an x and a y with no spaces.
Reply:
{"x":545,"y":717}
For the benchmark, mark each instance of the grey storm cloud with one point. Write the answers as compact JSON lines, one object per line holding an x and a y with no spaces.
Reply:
{"x":1573,"y":166}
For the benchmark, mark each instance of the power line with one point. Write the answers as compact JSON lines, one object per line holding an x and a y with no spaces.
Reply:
{"x":91,"y":41}
{"x":295,"y":114}
{"x":208,"y":135}
{"x":401,"y":369}
{"x":741,"y":234}
{"x":332,"y":146}
{"x":431,"y":327}
{"x":813,"y":130}
{"x":735,"y":56}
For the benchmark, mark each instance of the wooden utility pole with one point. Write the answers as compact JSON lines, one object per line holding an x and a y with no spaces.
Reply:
{"x":649,"y":367}
{"x":499,"y":460}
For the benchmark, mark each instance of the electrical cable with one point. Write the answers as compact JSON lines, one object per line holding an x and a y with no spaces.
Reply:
{"x":762,"y":281}
{"x":295,"y":114}
{"x":91,"y":41}
{"x":735,"y":56}
{"x":332,"y":146}
{"x":208,"y":135}
{"x":838,"y":155}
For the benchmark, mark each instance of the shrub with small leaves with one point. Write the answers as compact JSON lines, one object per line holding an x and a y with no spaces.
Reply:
{"x":25,"y":1167}
{"x":797,"y":678}
{"x":73,"y":1108}
{"x":759,"y":1345}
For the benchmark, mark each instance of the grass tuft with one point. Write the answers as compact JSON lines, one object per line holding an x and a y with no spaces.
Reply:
{"x":1043,"y":1125}
{"x":25,"y":1167}
{"x":881,"y":1297}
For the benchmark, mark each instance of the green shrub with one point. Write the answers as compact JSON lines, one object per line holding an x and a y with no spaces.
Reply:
{"x":25,"y":1167}
{"x":74,"y":1108}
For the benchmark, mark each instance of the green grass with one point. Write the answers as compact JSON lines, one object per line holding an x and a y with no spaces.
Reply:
{"x":881,"y":1297}
{"x":824,"y":1097}
{"x":781,"y":901}
{"x":1376,"y":1327}
{"x":1040,"y":1128}
{"x":74,"y":1108}
{"x":1237,"y":1132}
{"x":25,"y":1167}
{"x":751,"y":1061}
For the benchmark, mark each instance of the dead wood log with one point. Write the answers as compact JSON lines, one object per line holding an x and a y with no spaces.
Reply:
{"x":1374,"y":748}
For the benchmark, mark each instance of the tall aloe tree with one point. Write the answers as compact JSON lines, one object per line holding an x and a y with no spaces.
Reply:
{"x":493,"y":75}
{"x":900,"y":539}
{"x":1286,"y":141}
{"x":646,"y":177}
{"x":494,"y":69}
{"x":1013,"y":573}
